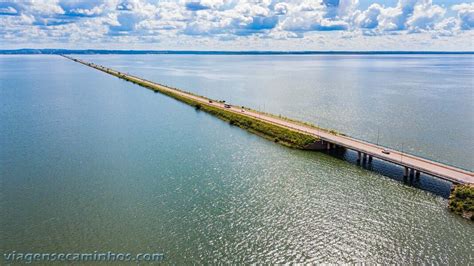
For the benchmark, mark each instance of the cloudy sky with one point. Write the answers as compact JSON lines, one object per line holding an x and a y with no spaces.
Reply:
{"x":238,"y":24}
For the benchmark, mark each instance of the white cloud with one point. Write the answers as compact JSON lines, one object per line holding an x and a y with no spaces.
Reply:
{"x":309,"y":23}
{"x":410,"y":16}
{"x":465,"y":15}
{"x":369,"y":19}
{"x":424,"y":16}
{"x":281,"y":9}
{"x":328,"y":15}
{"x":447,"y":27}
{"x":44,"y":7}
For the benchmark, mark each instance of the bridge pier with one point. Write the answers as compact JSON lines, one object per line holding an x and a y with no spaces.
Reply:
{"x":370,"y":158}
{"x":405,"y":172}
{"x":412,"y":172}
{"x":359,"y":156}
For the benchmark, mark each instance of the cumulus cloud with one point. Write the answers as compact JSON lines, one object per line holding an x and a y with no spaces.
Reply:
{"x":44,"y":7}
{"x":465,"y":15}
{"x":328,"y":15}
{"x":424,"y":16}
{"x":280,"y":9}
{"x":240,"y":18}
{"x":411,"y":16}
{"x":369,"y":19}
{"x":128,"y":21}
{"x":447,"y":27}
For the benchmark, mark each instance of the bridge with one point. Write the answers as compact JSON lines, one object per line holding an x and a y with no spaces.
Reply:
{"x":413,"y":165}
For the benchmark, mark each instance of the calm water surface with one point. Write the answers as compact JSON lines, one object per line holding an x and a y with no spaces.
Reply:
{"x":90,"y":162}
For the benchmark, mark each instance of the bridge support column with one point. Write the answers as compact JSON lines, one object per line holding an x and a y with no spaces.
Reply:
{"x":358,"y":156}
{"x":417,"y":174}
{"x":412,"y":172}
{"x":405,"y":172}
{"x":328,"y":146}
{"x":370,"y":158}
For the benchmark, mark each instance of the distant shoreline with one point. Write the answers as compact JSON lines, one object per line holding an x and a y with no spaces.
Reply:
{"x":190,"y":52}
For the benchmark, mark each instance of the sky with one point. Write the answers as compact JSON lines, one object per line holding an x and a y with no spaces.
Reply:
{"x":360,"y":25}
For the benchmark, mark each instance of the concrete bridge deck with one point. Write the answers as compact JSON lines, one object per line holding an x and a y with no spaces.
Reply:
{"x":366,"y":151}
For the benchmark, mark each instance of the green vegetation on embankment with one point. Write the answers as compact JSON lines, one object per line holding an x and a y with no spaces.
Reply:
{"x":282,"y":135}
{"x":461,"y":201}
{"x":332,"y":131}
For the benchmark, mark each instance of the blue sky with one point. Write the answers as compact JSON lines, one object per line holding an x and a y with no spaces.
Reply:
{"x":238,"y":24}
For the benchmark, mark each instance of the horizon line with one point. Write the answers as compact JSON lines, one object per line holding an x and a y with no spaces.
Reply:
{"x":251,"y":52}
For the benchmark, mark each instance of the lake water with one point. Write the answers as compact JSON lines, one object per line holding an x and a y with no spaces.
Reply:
{"x":89,"y":162}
